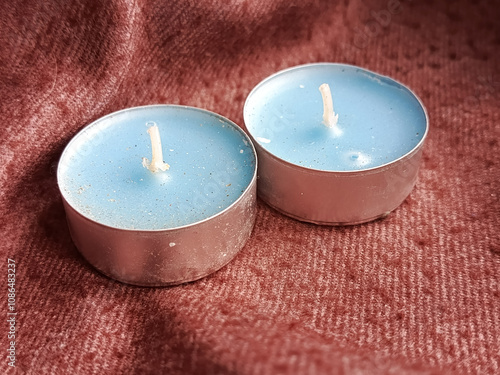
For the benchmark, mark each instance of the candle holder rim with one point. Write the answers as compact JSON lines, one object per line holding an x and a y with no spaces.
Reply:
{"x":349,"y":172}
{"x":169,"y":229}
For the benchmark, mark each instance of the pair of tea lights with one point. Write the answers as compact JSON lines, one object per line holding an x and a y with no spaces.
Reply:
{"x":150,"y":223}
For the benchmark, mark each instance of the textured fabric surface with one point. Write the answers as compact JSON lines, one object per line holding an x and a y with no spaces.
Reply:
{"x":417,"y":292}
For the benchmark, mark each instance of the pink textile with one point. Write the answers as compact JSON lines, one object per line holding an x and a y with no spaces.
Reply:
{"x":415,"y":293}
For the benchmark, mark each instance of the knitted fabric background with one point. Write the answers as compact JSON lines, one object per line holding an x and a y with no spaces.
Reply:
{"x":415,"y":293}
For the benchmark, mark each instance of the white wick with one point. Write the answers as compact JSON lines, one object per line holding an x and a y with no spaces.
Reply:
{"x":330,"y":119}
{"x":157,"y":162}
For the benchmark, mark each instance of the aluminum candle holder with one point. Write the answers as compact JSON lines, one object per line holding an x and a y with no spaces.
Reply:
{"x":345,"y":166}
{"x":177,"y":218}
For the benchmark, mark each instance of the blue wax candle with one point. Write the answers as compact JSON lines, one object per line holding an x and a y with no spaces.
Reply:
{"x":101,"y":174}
{"x":379,"y":119}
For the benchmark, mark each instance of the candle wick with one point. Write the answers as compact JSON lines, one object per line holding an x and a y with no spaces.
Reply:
{"x":157,"y":163}
{"x":330,"y":119}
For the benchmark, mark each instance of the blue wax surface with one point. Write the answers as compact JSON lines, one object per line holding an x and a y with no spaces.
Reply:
{"x":379,"y":121}
{"x":101,"y":175}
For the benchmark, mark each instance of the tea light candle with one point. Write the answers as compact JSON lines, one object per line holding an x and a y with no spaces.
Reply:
{"x":173,"y":219}
{"x":343,"y":156}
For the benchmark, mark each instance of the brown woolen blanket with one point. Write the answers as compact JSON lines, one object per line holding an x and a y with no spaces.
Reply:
{"x":418,"y":292}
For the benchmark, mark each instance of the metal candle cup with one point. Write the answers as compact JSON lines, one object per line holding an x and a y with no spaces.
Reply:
{"x":357,"y":172}
{"x":168,"y":227}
